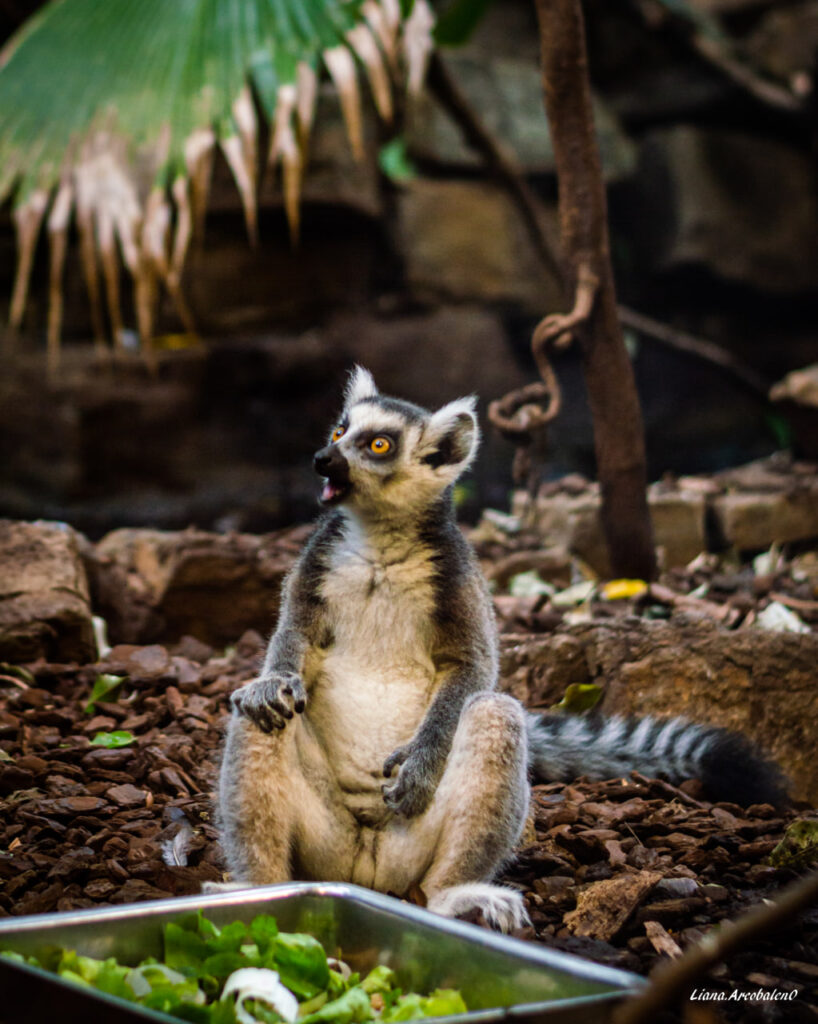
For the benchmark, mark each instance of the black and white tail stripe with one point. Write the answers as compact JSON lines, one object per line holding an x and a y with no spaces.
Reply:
{"x":563,"y":747}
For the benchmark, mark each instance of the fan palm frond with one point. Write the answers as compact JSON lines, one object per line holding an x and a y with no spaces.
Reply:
{"x":112,"y":113}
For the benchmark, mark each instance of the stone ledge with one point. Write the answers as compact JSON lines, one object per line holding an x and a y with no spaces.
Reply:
{"x":750,"y":508}
{"x":152,"y":585}
{"x":757,"y":682}
{"x":44,"y":602}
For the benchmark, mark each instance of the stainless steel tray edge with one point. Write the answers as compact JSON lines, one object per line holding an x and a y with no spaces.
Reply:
{"x":26,"y":932}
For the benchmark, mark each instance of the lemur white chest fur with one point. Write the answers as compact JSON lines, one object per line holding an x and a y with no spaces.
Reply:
{"x":372,"y":686}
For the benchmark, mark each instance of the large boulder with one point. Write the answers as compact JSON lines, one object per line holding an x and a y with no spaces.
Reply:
{"x":769,"y":501}
{"x":506,"y":93}
{"x":44,"y":603}
{"x":758,"y":682}
{"x":572,"y":520}
{"x":772,"y":501}
{"x":152,"y":585}
{"x":740,"y":205}
{"x":465,"y":240}
{"x":784,"y":42}
{"x":797,"y":399}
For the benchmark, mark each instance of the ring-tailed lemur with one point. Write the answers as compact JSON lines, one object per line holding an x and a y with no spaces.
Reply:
{"x":373,"y":747}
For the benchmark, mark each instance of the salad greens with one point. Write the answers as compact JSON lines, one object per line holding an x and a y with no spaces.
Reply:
{"x":241,"y":974}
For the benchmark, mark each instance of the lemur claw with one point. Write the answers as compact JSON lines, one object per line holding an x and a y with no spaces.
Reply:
{"x":270,"y":701}
{"x":411,"y":792}
{"x":396,"y":758}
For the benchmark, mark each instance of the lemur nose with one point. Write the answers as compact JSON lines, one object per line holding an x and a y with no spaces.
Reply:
{"x":327,"y":460}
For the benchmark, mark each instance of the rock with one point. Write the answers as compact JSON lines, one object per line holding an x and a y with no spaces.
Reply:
{"x":671,"y":888}
{"x":126,"y":795}
{"x":333,"y":177}
{"x":797,"y":398}
{"x":139,"y":664}
{"x":151,"y":585}
{"x":465,"y":240}
{"x":506,"y":93}
{"x":751,"y":522}
{"x":573,"y":521}
{"x":569,"y":521}
{"x":479,"y":355}
{"x":741,"y":205}
{"x":678,"y":523}
{"x":604,"y":907}
{"x":756,"y":682}
{"x":44,"y":602}
{"x":784,"y":42}
{"x":233,"y":286}
{"x":773,"y":500}
{"x":799,"y":386}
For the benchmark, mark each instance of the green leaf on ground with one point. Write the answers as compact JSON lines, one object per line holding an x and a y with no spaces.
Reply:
{"x":112,"y":740}
{"x":104,"y":686}
{"x":579,"y":697}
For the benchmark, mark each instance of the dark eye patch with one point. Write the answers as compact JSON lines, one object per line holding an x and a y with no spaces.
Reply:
{"x":366,"y":437}
{"x":342,"y":424}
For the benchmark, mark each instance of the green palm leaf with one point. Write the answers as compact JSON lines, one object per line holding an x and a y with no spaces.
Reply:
{"x":112,"y":111}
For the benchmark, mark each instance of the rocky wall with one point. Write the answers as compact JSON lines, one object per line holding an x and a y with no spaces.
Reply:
{"x":431,"y":280}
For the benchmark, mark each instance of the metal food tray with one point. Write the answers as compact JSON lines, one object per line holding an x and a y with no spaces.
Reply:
{"x":500,"y":978}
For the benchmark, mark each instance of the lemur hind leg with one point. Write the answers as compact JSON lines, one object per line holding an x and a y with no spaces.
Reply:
{"x":476,"y":816}
{"x":270,"y":811}
{"x":255,"y":802}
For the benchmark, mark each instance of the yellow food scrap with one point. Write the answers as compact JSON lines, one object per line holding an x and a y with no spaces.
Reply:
{"x":617,"y":590}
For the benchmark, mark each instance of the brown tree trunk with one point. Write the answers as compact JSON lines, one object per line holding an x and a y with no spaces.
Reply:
{"x":617,"y":419}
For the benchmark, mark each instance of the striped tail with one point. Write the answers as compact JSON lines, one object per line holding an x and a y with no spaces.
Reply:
{"x":563,"y":747}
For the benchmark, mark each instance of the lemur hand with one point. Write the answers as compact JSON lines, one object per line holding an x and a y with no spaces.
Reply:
{"x":412,"y":791}
{"x":271,"y":701}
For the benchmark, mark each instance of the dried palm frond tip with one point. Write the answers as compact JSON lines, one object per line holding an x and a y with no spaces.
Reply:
{"x":111,"y":114}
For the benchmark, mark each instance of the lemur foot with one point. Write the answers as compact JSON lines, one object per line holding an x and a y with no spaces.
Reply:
{"x":411,"y":792}
{"x":501,"y":908}
{"x":271,"y":701}
{"x":211,"y":887}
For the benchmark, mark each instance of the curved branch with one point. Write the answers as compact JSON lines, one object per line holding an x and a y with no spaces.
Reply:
{"x":701,"y":348}
{"x":520,"y":412}
{"x":715,"y":53}
{"x":558,"y":329}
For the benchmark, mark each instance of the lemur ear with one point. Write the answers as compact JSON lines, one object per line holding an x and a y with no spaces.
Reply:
{"x":452,"y":435}
{"x":360,"y":386}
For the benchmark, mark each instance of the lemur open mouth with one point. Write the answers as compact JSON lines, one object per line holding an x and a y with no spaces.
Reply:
{"x":334,"y":491}
{"x":331,"y":464}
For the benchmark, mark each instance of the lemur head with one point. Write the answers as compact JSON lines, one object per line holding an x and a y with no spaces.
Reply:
{"x":389,"y":456}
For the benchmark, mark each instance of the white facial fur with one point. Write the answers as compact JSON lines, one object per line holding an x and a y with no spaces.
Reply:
{"x":406,"y":482}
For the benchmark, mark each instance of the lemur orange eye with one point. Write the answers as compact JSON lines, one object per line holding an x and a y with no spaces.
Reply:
{"x":380,"y":445}
{"x":338,"y":433}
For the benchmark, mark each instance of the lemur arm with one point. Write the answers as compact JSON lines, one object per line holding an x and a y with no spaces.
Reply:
{"x":288,"y":644}
{"x":466,"y":662}
{"x":279,"y":693}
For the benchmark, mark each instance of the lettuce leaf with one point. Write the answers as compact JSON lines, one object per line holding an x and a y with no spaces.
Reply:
{"x":301,"y":963}
{"x":200,"y":958}
{"x":350,"y":1008}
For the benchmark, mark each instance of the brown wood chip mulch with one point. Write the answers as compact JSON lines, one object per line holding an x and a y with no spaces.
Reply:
{"x":625,"y":872}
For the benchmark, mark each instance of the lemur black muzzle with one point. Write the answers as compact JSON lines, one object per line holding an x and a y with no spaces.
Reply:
{"x":330,"y":463}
